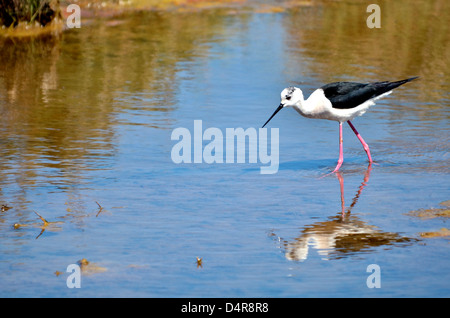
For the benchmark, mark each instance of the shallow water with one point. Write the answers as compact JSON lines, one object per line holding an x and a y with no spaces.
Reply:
{"x":86,"y":143}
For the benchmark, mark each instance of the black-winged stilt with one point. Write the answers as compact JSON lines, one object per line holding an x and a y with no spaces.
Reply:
{"x":340,"y":101}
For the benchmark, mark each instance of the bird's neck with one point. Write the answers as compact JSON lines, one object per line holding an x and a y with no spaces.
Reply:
{"x":313,"y":106}
{"x":302,"y":107}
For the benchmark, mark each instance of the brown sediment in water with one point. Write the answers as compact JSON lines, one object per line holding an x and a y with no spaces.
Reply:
{"x":441,"y":212}
{"x":89,"y":268}
{"x":44,"y":225}
{"x":444,"y":232}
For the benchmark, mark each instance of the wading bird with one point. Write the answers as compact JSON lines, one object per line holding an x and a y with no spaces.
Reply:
{"x":340,"y":101}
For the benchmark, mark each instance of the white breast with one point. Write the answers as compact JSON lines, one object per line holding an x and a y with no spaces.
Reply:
{"x":317,"y":106}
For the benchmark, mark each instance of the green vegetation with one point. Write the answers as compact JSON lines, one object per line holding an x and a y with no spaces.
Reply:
{"x":42,"y":12}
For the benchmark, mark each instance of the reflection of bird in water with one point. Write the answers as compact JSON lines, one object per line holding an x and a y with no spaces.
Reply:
{"x":338,"y":238}
{"x":340,"y":101}
{"x":341,"y":235}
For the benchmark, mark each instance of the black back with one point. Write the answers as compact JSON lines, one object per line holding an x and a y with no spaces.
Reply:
{"x":346,"y":95}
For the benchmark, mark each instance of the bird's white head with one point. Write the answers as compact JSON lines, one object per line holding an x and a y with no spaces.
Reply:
{"x":290,"y":96}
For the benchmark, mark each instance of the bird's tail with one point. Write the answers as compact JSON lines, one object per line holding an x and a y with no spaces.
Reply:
{"x":396,"y":84}
{"x":384,"y":87}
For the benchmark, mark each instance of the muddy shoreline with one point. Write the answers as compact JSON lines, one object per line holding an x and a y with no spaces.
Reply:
{"x":95,"y":10}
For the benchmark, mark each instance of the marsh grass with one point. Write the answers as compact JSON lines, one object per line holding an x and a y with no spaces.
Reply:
{"x":31,"y":12}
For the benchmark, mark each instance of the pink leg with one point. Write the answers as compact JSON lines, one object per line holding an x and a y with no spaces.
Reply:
{"x":341,"y":184}
{"x":341,"y":151}
{"x":365,"y":145}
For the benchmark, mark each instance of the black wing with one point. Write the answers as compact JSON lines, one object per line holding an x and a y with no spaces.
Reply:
{"x":346,"y":95}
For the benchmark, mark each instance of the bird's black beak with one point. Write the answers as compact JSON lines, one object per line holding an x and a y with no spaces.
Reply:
{"x":276,"y":111}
